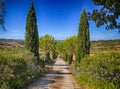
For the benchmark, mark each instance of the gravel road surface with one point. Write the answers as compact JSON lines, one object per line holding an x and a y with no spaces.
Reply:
{"x":59,"y":77}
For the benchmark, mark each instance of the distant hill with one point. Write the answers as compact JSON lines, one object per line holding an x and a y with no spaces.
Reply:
{"x":10,"y":40}
{"x":11,"y":43}
{"x":59,"y":40}
{"x":96,"y":46}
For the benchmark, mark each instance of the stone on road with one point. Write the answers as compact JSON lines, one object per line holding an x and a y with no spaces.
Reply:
{"x":59,"y":77}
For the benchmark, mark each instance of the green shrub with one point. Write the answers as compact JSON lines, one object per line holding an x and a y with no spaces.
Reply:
{"x":70,"y":59}
{"x":17,"y":69}
{"x":101,"y":71}
{"x":11,"y":67}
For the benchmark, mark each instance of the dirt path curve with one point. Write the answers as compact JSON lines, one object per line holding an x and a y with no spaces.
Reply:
{"x":58,"y":78}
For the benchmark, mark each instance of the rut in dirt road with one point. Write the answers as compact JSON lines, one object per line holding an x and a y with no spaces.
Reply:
{"x":58,"y":78}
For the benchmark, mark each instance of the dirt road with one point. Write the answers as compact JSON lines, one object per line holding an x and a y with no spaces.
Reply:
{"x":59,"y":77}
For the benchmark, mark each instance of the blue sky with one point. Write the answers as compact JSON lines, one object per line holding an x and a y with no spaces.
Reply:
{"x":59,"y":18}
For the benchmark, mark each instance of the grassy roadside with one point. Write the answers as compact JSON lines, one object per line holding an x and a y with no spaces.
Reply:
{"x":101,"y":71}
{"x":18,"y":69}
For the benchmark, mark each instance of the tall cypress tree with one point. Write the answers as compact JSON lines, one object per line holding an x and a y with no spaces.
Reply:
{"x":83,"y":37}
{"x":31,"y":38}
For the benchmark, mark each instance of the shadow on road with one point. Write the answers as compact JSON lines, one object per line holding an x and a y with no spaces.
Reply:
{"x":61,"y":65}
{"x":54,"y":72}
{"x":59,"y":77}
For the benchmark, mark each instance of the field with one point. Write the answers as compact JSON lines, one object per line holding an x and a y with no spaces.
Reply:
{"x":104,"y":46}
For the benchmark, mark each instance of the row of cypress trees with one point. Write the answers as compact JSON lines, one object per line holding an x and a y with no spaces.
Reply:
{"x":31,"y":38}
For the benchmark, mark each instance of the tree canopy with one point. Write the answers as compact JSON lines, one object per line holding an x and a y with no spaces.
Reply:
{"x":48,"y":46}
{"x":47,"y":43}
{"x":67,"y":48}
{"x":108,"y":14}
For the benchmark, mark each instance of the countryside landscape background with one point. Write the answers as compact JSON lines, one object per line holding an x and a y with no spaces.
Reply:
{"x":81,"y":36}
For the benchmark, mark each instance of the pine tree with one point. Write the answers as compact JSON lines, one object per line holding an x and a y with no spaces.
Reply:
{"x":31,"y":38}
{"x":83,"y":37}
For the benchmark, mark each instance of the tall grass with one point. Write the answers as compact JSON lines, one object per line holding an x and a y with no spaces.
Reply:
{"x":101,"y":71}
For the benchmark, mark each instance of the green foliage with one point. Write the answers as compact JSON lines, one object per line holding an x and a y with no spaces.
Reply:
{"x":108,"y":13}
{"x":18,"y":69}
{"x":47,"y":47}
{"x":67,"y":48}
{"x":31,"y":38}
{"x":70,"y":59}
{"x":83,"y":37}
{"x":101,"y":71}
{"x":47,"y":58}
{"x":54,"y":54}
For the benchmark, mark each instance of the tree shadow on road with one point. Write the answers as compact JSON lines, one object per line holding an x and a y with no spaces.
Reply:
{"x":61,"y":65}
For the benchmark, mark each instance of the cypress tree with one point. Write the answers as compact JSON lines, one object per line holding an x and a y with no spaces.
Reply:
{"x":31,"y":38}
{"x":83,"y":37}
